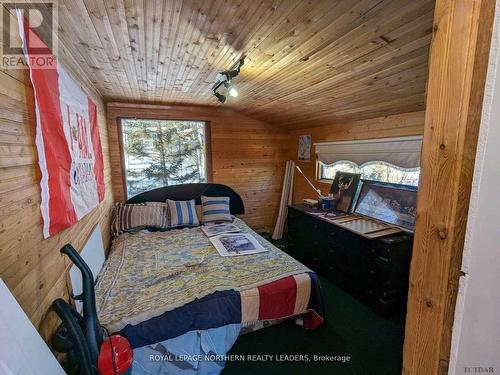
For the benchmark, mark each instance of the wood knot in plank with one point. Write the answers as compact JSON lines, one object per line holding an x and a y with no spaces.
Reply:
{"x":442,"y":234}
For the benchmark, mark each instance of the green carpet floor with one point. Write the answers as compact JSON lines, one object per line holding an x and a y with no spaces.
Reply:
{"x":374,"y":344}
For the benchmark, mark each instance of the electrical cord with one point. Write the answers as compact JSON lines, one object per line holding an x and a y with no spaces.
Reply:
{"x":112,"y":350}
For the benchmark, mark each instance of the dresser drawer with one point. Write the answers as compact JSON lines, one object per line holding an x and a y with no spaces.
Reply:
{"x":374,"y":271}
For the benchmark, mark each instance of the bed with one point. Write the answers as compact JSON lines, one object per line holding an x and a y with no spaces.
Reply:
{"x":182,"y":306}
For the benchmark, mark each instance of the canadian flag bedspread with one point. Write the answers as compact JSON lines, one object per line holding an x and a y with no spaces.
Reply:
{"x":290,"y":296}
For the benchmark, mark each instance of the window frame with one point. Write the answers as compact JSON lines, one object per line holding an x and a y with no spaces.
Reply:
{"x":318,"y":171}
{"x":319,"y":178}
{"x":318,"y":174}
{"x":208,"y":145}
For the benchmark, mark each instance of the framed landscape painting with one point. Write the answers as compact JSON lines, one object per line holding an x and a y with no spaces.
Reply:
{"x":391,"y":203}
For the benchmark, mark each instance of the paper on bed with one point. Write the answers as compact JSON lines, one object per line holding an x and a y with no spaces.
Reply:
{"x":216,"y":229}
{"x":234,"y":244}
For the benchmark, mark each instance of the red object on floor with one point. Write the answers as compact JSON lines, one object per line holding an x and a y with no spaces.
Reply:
{"x":312,"y":320}
{"x":123,"y":356}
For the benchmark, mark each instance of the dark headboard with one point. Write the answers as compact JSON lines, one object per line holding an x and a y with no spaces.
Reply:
{"x":185,"y":192}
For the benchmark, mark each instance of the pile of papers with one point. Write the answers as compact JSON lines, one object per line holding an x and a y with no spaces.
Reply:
{"x":216,"y":229}
{"x":228,"y":239}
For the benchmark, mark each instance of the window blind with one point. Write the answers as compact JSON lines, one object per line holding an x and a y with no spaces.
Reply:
{"x":403,"y":151}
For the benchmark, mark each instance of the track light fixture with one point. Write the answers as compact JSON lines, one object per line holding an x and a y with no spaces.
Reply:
{"x":225,"y":79}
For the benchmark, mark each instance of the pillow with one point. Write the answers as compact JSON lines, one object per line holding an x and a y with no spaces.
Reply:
{"x":198,"y":210}
{"x":127,"y":217}
{"x":182,"y":213}
{"x":215,"y":209}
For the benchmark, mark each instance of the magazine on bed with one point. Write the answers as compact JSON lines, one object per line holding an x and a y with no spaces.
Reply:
{"x":233,"y":244}
{"x":220,"y":228}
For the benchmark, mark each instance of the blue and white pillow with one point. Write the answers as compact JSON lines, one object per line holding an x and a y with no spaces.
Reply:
{"x":182,"y":213}
{"x":215,"y":209}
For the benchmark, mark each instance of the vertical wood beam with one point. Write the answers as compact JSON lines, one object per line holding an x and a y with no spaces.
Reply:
{"x":457,"y":73}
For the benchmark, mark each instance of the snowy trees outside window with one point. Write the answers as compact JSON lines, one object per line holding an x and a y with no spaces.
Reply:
{"x":162,"y":152}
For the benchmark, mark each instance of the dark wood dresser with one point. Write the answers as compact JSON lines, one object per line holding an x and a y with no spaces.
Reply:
{"x":375,"y":271}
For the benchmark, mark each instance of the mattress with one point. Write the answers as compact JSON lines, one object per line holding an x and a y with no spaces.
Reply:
{"x":159,"y":285}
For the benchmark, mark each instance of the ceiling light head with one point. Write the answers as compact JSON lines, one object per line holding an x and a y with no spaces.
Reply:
{"x":233,"y":92}
{"x":230,"y":89}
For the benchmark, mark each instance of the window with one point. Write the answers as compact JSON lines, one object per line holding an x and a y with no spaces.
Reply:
{"x":162,"y":152}
{"x":374,"y":170}
{"x":394,"y":160}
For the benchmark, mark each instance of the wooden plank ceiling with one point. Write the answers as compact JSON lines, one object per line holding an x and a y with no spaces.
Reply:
{"x":307,"y":63}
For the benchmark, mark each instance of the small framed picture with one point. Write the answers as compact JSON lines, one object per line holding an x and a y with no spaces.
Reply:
{"x":304,"y":147}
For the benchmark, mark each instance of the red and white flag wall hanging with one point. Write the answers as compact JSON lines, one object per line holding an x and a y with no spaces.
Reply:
{"x":67,"y":141}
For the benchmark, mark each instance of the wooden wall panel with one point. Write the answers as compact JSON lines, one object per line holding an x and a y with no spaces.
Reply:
{"x":32,"y":267}
{"x":457,"y":73}
{"x":247,"y":154}
{"x":381,"y":127}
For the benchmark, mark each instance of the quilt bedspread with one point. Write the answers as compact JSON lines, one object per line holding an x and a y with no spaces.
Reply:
{"x":149,"y":273}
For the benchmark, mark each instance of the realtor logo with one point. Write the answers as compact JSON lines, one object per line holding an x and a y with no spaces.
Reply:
{"x":39,"y":21}
{"x":479,"y":370}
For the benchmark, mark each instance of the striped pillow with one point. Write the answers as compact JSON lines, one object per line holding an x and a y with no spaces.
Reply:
{"x":182,"y":213}
{"x":128,"y":217}
{"x":215,"y":209}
